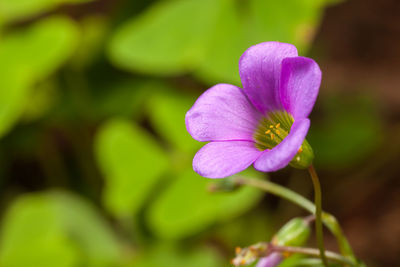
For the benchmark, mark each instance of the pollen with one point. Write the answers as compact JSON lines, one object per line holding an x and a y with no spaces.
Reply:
{"x":272,"y":129}
{"x":300,"y":149}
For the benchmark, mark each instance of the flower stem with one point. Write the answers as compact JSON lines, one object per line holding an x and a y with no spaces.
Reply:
{"x":277,"y":190}
{"x":245,"y":256}
{"x":329,"y":220}
{"x":318,"y":214}
{"x":314,"y":252}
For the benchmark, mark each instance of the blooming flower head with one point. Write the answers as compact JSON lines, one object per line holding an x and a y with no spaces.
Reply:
{"x":266,"y":122}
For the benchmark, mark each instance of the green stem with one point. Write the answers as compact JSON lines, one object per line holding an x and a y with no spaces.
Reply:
{"x":329,"y":220}
{"x":333,"y":225}
{"x":314,"y":253}
{"x":318,"y":214}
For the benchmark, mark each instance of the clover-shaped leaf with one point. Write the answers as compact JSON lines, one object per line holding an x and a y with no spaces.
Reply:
{"x":131,"y":161}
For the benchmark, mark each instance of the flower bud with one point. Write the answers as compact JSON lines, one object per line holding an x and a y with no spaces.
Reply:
{"x":304,"y":157}
{"x":271,"y":260}
{"x":293,"y":233}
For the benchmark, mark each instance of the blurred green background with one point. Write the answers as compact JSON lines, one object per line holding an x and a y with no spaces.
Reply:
{"x":95,"y":160}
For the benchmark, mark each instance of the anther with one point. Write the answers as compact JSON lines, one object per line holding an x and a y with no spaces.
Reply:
{"x":271,"y":126}
{"x":278,"y":132}
{"x":300,"y":149}
{"x":272,"y":136}
{"x":277,"y":126}
{"x":267,"y":132}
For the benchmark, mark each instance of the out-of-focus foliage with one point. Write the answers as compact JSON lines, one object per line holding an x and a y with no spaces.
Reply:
{"x":27,"y":58}
{"x":56,"y":229}
{"x":186,"y":206}
{"x":93,"y":96}
{"x":167,"y":254}
{"x":208,"y":37}
{"x":347,"y":134}
{"x":167,"y":39}
{"x":132,"y":162}
{"x":165,"y":109}
{"x":13,"y":10}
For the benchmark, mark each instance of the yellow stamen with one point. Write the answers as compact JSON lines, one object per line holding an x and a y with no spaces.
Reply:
{"x":271,"y":126}
{"x":272,"y":136}
{"x":277,"y":126}
{"x":300,"y":149}
{"x":278,"y":132}
{"x":267,"y":132}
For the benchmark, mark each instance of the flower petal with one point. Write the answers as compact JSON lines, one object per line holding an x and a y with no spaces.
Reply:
{"x":222,"y":159}
{"x":271,"y":260}
{"x":223,"y":112}
{"x":299,"y":85}
{"x":259,"y":69}
{"x":283,"y":153}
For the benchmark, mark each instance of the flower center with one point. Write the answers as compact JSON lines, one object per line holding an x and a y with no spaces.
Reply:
{"x":272,"y":129}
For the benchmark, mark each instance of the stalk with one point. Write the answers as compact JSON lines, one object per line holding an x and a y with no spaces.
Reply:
{"x":328,"y":219}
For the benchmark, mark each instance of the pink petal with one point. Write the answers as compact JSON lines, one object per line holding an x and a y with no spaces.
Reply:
{"x":280,"y":156}
{"x":271,"y":260}
{"x":223,"y":112}
{"x":300,"y":81}
{"x":259,"y":69}
{"x":222,"y":159}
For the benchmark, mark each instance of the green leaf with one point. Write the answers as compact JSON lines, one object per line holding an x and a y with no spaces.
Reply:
{"x":12,"y":10}
{"x":253,"y":22}
{"x":31,"y":46}
{"x":291,"y":21}
{"x":168,"y":38}
{"x":187,"y":207}
{"x":94,"y":30}
{"x":14,"y":89}
{"x":176,"y":36}
{"x":55,"y":229}
{"x":171,"y":256}
{"x":41,"y":99}
{"x":225,"y":47}
{"x":26,"y":58}
{"x":167,"y":114}
{"x":131,"y":161}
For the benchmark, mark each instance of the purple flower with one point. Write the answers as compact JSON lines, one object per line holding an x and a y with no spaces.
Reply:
{"x":264,"y":123}
{"x":271,"y":260}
